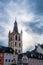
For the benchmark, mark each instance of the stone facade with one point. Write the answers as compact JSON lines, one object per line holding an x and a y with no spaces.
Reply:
{"x":15,"y":40}
{"x":31,"y":58}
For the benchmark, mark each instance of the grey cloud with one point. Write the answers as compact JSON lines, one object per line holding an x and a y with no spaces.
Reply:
{"x":3,"y":15}
{"x":1,"y":30}
{"x":5,"y":1}
{"x":18,"y":1}
{"x":36,"y":6}
{"x":3,"y":43}
{"x":35,"y":27}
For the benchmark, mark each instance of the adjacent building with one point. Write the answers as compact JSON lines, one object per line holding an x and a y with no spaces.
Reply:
{"x":1,"y":58}
{"x":31,"y":58}
{"x":6,"y":55}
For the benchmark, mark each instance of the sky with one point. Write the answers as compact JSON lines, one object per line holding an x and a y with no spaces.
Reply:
{"x":29,"y":16}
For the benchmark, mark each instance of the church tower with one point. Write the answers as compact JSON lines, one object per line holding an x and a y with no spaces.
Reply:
{"x":15,"y":39}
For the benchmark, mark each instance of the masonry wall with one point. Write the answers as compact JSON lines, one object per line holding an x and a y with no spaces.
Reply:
{"x":8,"y":59}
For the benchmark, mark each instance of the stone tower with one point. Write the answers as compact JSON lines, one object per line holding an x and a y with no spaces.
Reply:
{"x":15,"y":39}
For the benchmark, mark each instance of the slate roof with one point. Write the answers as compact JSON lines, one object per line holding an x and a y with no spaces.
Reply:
{"x":6,"y":49}
{"x":33,"y":54}
{"x":15,"y":27}
{"x":41,"y":46}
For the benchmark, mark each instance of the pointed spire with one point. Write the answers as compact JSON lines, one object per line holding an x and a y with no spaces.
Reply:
{"x":15,"y":27}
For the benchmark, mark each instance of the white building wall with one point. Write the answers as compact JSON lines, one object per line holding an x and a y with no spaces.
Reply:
{"x":8,"y":56}
{"x":35,"y":62}
{"x":40,"y":62}
{"x":32,"y":61}
{"x":40,"y":50}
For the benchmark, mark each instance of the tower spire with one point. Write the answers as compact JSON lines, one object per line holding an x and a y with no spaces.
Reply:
{"x":15,"y":26}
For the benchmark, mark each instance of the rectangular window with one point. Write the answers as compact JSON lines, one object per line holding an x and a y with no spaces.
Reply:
{"x":12,"y":60}
{"x":19,"y":44}
{"x":9,"y":60}
{"x":0,"y":60}
{"x":5,"y":60}
{"x":19,"y":51}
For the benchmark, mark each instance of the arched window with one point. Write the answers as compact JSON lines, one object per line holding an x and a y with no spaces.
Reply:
{"x":15,"y":43}
{"x":19,"y":44}
{"x":16,"y":37}
{"x":19,"y":38}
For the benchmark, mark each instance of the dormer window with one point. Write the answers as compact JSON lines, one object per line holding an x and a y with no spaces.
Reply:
{"x":31,"y":55}
{"x":39,"y":56}
{"x":10,"y":50}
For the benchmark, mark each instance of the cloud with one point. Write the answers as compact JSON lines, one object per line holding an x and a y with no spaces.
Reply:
{"x":36,"y":27}
{"x":38,"y":39}
{"x":5,"y":1}
{"x":2,"y":43}
{"x":36,"y":6}
{"x":27,"y":41}
{"x":29,"y":14}
{"x":19,"y":11}
{"x":1,"y":29}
